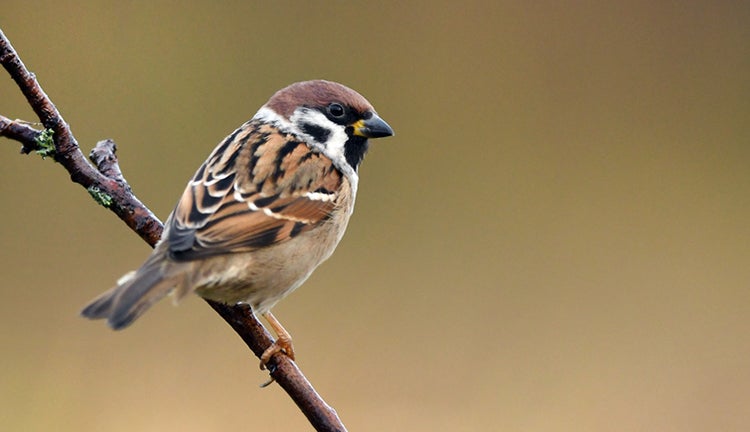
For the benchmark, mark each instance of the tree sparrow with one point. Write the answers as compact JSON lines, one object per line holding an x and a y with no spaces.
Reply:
{"x":268,"y":206}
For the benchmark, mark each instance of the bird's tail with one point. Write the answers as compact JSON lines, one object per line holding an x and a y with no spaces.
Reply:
{"x":135,"y":293}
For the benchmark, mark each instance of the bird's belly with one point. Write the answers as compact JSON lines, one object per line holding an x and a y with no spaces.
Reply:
{"x":263,"y":277}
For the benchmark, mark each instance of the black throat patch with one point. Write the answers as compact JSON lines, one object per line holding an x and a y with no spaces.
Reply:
{"x":355,"y":150}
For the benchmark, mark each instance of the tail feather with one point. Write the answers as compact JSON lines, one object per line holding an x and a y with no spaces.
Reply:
{"x":100,"y":307}
{"x":133,"y":295}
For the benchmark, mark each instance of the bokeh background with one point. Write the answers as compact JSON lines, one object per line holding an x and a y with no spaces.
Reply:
{"x":556,"y":239}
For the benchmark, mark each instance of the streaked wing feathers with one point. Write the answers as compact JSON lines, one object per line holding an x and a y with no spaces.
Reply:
{"x":256,"y":189}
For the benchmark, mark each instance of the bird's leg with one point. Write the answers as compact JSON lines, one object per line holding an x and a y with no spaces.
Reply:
{"x":283,"y":341}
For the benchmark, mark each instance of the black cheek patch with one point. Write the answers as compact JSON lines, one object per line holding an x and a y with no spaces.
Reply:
{"x":320,"y":133}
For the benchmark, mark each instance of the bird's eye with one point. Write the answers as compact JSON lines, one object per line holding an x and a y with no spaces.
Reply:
{"x":336,"y":110}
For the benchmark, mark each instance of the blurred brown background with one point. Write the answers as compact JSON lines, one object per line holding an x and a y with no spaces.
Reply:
{"x":556,"y":239}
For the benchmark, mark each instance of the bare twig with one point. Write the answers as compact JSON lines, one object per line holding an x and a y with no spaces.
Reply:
{"x":285,"y":372}
{"x":20,"y":132}
{"x":104,"y":158}
{"x":66,"y":151}
{"x":105,"y":182}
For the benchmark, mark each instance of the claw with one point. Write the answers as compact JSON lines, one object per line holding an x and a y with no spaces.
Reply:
{"x":282,"y":344}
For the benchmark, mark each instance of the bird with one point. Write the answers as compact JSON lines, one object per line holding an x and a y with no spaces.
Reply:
{"x":267,"y":207}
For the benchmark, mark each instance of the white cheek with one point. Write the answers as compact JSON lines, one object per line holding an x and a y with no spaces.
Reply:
{"x":333,"y":147}
{"x":267,"y":115}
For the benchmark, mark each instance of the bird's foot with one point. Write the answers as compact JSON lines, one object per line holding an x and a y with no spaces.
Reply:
{"x":283,"y":344}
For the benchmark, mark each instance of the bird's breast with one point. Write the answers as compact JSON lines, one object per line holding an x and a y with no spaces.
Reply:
{"x":264,"y":276}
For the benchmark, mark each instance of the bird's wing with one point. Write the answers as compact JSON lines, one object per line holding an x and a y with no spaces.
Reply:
{"x":258,"y":188}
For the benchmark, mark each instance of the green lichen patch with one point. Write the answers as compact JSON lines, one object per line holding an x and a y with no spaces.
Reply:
{"x":103,"y":198}
{"x":45,"y":143}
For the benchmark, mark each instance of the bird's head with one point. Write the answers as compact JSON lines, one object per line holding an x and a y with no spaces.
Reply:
{"x":330,"y":117}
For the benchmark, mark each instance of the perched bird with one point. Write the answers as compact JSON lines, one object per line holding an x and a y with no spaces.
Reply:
{"x":269,"y":205}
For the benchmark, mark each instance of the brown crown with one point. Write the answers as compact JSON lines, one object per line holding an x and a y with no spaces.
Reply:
{"x":316,"y":94}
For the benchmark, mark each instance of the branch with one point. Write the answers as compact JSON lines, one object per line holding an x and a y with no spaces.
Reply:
{"x":105,"y":182}
{"x":285,"y":372}
{"x":21,"y":132}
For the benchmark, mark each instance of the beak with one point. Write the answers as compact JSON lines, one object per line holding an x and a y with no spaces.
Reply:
{"x":373,"y":127}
